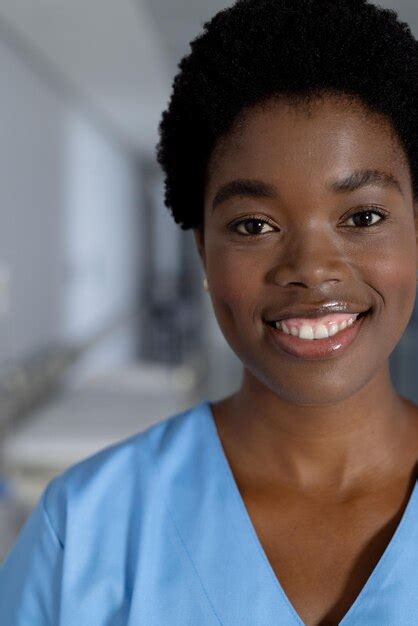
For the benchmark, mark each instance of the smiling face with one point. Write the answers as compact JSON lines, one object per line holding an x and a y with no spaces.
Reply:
{"x":302,"y":240}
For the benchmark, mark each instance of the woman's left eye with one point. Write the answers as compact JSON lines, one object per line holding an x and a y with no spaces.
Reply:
{"x":364,"y":219}
{"x":257,"y":224}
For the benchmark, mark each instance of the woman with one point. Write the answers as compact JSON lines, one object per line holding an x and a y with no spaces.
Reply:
{"x":290,"y":147}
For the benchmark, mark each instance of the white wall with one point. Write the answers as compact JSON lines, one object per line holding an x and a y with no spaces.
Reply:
{"x":69,"y":215}
{"x":110,"y":50}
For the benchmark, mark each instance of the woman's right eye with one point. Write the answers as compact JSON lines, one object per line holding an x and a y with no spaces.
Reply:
{"x":256,"y":223}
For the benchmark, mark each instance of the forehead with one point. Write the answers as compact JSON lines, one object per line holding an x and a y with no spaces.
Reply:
{"x":306,"y":144}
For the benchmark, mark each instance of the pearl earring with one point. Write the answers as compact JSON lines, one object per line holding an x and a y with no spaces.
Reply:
{"x":205,"y":284}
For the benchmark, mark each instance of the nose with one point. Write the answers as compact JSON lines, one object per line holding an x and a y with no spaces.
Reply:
{"x":310,"y":259}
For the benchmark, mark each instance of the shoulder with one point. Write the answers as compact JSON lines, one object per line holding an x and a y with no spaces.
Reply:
{"x":124,"y":475}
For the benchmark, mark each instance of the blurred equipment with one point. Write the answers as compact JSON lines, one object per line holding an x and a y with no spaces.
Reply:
{"x":32,"y":381}
{"x":82,"y":421}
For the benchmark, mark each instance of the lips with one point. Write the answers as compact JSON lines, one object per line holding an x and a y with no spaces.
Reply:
{"x":315,"y":310}
{"x":311,"y":349}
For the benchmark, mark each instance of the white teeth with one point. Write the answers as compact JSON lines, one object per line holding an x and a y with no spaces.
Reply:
{"x":334,"y":328}
{"x":321,"y":332}
{"x":285,"y":328}
{"x":306,"y":332}
{"x":315,"y":332}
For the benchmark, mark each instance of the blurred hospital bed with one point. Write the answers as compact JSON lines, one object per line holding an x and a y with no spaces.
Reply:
{"x":81,"y":421}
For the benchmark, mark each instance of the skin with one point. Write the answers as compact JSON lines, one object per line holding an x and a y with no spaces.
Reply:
{"x":326,"y":448}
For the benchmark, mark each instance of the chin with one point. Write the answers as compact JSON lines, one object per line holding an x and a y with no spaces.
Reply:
{"x":329,"y":386}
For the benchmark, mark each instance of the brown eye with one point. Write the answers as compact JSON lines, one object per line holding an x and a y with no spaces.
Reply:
{"x":365,"y":219}
{"x":252,"y":225}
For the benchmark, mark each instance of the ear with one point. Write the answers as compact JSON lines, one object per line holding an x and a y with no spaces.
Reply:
{"x":200,"y":244}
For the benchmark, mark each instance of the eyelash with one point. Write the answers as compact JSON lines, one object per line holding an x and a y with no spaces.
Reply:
{"x":255,"y":218}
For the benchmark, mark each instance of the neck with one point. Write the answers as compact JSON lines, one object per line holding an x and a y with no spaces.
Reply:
{"x":340,"y":446}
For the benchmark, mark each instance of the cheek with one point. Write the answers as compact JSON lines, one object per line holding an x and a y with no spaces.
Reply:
{"x":394,"y":277}
{"x":236,"y":283}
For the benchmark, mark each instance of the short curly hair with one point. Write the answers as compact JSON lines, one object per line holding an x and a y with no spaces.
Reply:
{"x":261,"y":49}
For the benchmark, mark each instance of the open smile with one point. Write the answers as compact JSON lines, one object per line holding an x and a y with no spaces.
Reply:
{"x":305,"y":345}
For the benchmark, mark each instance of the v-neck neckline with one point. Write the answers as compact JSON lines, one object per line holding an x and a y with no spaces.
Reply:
{"x":378,"y":573}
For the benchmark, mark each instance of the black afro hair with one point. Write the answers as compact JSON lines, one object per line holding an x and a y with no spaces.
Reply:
{"x":260,"y":49}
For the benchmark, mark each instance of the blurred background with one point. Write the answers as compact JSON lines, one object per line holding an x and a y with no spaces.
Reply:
{"x":104,"y":325}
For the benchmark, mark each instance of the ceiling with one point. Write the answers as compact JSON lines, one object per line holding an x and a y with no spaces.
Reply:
{"x":121,"y":56}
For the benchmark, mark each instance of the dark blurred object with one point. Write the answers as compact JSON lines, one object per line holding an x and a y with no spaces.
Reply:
{"x":172,"y":329}
{"x":404,"y":361}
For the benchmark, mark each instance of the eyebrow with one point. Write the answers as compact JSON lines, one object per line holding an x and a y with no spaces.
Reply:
{"x":361,"y":178}
{"x":244,"y":187}
{"x":258,"y":189}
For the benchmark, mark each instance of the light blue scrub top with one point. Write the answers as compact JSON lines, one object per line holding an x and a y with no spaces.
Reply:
{"x":152,"y":531}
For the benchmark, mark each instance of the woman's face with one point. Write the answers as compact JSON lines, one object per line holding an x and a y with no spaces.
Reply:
{"x":306,"y":249}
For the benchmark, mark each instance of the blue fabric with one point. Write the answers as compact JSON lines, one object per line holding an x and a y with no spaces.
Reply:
{"x":153,"y":531}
